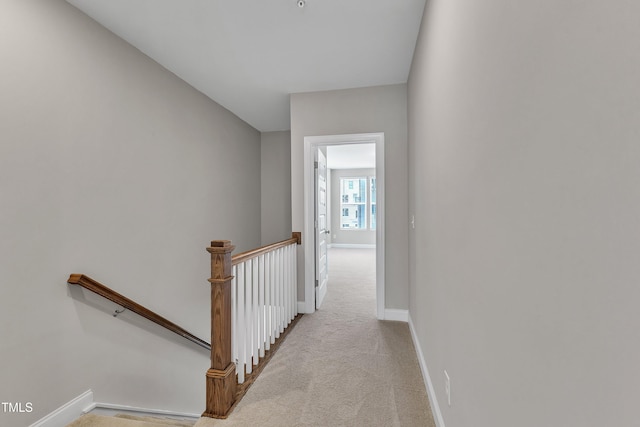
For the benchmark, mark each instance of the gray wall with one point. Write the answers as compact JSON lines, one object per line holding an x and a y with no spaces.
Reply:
{"x":523,"y":125}
{"x":276,"y":186}
{"x":113,"y":167}
{"x":372,"y":109}
{"x":338,"y":236}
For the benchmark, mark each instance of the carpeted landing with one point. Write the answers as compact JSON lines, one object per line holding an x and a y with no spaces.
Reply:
{"x":123,"y":420}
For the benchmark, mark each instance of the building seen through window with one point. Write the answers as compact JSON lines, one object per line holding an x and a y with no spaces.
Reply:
{"x":357,"y":197}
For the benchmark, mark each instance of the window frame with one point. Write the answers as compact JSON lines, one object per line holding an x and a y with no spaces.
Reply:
{"x":349,"y":204}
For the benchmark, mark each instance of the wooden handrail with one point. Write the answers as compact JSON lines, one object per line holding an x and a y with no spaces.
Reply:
{"x":100,"y":289}
{"x":296,"y":237}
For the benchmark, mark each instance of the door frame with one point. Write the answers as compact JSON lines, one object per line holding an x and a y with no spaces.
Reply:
{"x":311,"y":143}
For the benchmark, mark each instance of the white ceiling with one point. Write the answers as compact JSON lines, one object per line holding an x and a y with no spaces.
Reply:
{"x":351,"y":156}
{"x":249,"y":55}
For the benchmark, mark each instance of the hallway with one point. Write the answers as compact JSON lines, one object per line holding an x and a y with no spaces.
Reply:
{"x":340,"y":366}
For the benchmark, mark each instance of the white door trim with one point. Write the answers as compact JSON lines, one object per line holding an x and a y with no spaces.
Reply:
{"x":310,"y":144}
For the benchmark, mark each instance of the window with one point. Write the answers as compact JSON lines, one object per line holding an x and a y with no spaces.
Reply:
{"x":358,"y":203}
{"x":353,"y":193}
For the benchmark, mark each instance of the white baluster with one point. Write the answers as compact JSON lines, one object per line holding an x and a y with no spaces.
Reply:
{"x":290,"y":286}
{"x":292,"y":267}
{"x":248,"y":315}
{"x":279,"y":293}
{"x":283,"y":321}
{"x":274,"y":292}
{"x":261,"y":307}
{"x":292,"y":261}
{"x":295,"y":279}
{"x":268,"y":292}
{"x":287,"y":284}
{"x":256,"y":322}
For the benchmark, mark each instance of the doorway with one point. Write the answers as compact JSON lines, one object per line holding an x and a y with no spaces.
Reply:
{"x":313,"y":145}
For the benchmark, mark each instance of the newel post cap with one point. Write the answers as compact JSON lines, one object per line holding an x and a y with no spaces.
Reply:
{"x":221,"y":246}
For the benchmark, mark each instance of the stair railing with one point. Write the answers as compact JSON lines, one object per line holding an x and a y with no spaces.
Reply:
{"x":108,"y":293}
{"x":253,"y":300}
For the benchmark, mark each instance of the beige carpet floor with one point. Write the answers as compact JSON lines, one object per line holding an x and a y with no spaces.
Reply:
{"x":339,"y":366}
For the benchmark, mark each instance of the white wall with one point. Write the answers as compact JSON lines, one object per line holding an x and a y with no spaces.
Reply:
{"x":276,"y":186}
{"x":524,"y":122}
{"x":113,"y":167}
{"x":364,"y":110}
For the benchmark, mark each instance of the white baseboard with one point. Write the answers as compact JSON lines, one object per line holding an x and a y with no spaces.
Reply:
{"x":84,"y":404}
{"x":351,"y":245}
{"x":395,"y":314}
{"x":301,"y":307}
{"x":113,"y":409}
{"x":67,"y":412}
{"x":433,"y":401}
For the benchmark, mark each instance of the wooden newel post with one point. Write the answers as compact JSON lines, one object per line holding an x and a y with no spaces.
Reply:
{"x":221,"y":378}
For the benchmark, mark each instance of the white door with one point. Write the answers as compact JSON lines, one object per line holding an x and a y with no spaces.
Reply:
{"x":322,"y":275}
